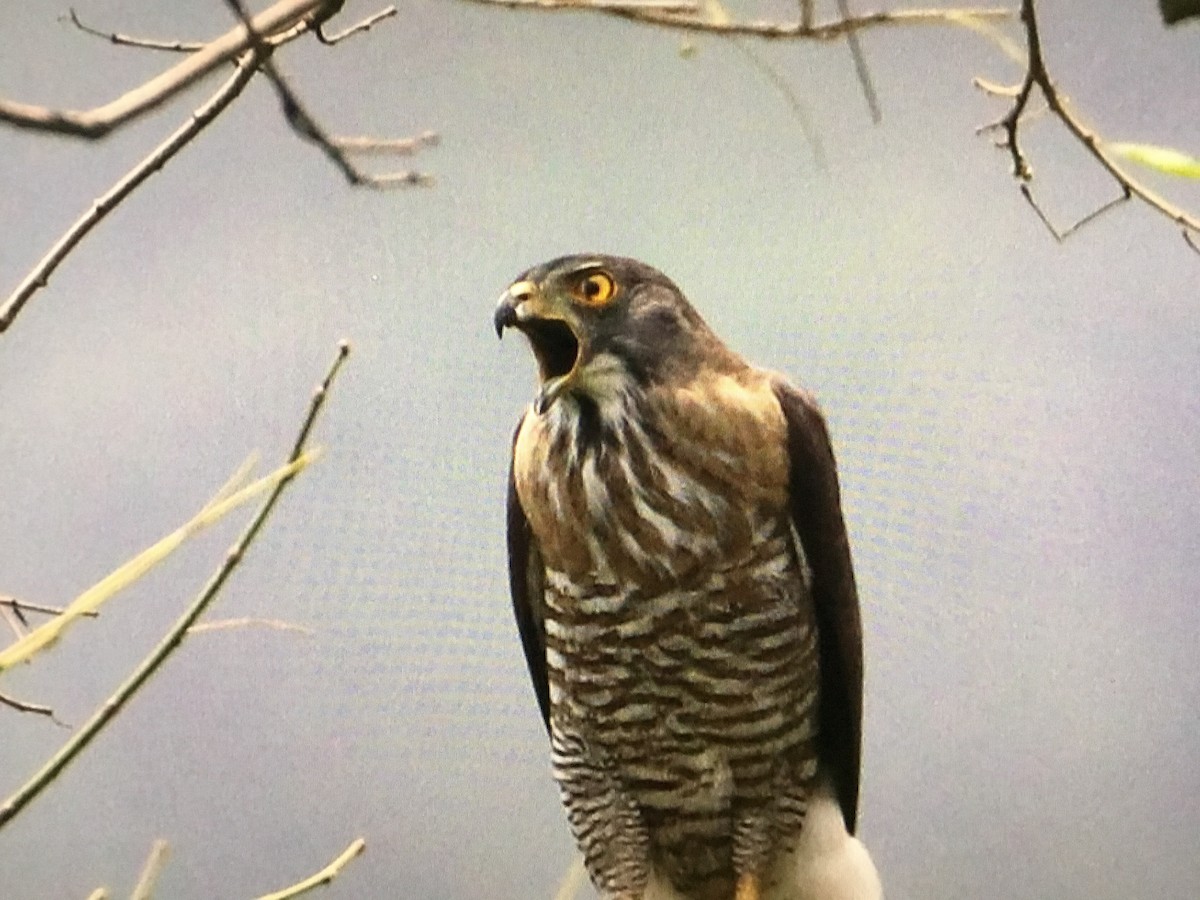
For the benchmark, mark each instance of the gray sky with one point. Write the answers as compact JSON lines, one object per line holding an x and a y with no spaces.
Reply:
{"x":1017,"y":425}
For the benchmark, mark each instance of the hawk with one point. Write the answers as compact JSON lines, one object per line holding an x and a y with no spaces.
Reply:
{"x":682,"y":584}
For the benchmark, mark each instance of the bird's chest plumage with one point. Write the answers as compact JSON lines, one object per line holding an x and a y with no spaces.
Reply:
{"x":680,"y":643}
{"x":652,"y":489}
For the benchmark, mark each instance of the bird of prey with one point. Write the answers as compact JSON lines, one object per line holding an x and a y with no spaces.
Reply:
{"x":682,"y":584}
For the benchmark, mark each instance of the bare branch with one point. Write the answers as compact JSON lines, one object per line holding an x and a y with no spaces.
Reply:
{"x":148,"y":666}
{"x":860,"y":66}
{"x":1061,"y":236}
{"x":312,"y":22}
{"x":308,"y":128}
{"x":248,"y":622}
{"x":397,"y":146}
{"x":125,"y":40}
{"x":17,"y":623}
{"x":1028,"y":195}
{"x":689,"y":20}
{"x":806,"y":13}
{"x":99,"y":121}
{"x":49,"y":633}
{"x":995,"y":90}
{"x":325,"y":876}
{"x":301,"y":15}
{"x":263,"y":46}
{"x":1037,"y":75}
{"x":36,"y":708}
{"x":302,"y":122}
{"x":159,"y":157}
{"x":98,"y":894}
{"x":365,"y":25}
{"x":144,"y":890}
{"x":23,"y":606}
{"x":1096,"y":213}
{"x":681,"y":7}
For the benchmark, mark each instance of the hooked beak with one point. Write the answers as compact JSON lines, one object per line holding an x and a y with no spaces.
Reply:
{"x":555,"y":343}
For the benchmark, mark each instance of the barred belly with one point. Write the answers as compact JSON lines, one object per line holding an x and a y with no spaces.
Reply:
{"x":685,"y":719}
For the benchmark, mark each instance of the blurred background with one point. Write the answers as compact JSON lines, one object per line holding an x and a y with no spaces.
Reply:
{"x":1016,"y":421}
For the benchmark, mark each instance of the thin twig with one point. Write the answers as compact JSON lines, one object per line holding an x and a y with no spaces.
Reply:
{"x":12,"y":606}
{"x":771,"y":30}
{"x":16,"y":622}
{"x":98,"y":894}
{"x":1096,"y":213}
{"x":860,"y":66}
{"x":675,"y":7}
{"x":995,"y":90}
{"x":144,"y":890}
{"x":126,"y":40}
{"x":790,"y":97}
{"x":668,"y":7}
{"x":806,"y":13}
{"x":276,"y":39}
{"x":202,"y":117}
{"x":307,"y":127}
{"x":325,"y":876}
{"x":35,"y":708}
{"x":96,"y":122}
{"x":993,"y":35}
{"x":128,"y":572}
{"x":159,"y":157}
{"x":249,"y":622}
{"x":365,"y":25}
{"x":148,"y":666}
{"x":1028,"y":195}
{"x":1037,"y":75}
{"x":20,"y":606}
{"x":390,"y":146}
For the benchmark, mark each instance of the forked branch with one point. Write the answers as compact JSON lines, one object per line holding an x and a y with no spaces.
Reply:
{"x":1009,"y":126}
{"x":97,"y":122}
{"x":289,"y":19}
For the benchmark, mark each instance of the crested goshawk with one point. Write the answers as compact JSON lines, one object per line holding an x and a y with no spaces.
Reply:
{"x":682,"y":583}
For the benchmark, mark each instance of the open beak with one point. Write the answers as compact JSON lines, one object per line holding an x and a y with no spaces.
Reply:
{"x":555,"y":343}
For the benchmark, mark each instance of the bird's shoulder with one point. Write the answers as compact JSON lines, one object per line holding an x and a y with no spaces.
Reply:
{"x":735,"y":412}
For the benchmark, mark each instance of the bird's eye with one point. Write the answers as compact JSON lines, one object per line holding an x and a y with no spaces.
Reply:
{"x":597,"y":289}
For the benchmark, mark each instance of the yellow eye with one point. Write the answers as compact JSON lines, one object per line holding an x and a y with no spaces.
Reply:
{"x":597,"y":289}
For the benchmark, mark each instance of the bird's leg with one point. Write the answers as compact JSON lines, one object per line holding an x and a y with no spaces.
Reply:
{"x":752,"y":846}
{"x":748,"y":887}
{"x":607,"y":824}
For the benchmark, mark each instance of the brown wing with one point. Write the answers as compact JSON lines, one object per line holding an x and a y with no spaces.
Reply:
{"x":817,"y":517}
{"x":526,"y":580}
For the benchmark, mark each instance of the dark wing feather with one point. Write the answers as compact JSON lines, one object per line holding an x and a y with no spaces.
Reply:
{"x":817,"y":517}
{"x":526,"y":582}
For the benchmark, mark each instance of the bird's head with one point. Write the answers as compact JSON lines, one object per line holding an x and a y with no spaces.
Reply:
{"x":601,"y":324}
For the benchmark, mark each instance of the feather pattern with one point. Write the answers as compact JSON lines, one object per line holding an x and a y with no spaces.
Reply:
{"x":680,"y":654}
{"x":682,"y":583}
